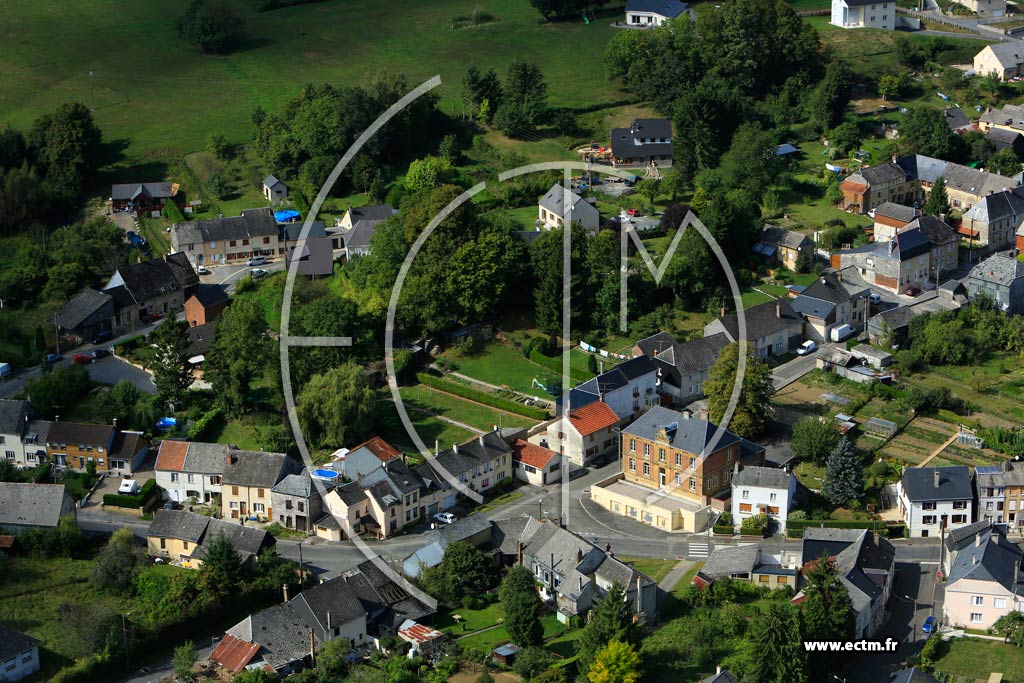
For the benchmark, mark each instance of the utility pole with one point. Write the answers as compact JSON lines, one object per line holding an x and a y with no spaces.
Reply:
{"x":124,"y":634}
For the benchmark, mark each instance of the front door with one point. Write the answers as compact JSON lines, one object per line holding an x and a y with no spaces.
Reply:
{"x":661,"y":477}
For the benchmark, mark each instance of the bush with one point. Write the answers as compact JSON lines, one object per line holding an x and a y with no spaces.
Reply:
{"x":137,"y":501}
{"x":213,"y":27}
{"x":463,"y":391}
{"x":172,"y":213}
{"x":203,"y":423}
{"x":555,"y":365}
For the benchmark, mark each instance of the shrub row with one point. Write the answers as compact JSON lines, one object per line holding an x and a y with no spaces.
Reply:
{"x":136,"y":501}
{"x":555,"y":365}
{"x":130,"y":344}
{"x":723,"y":529}
{"x":201,"y":425}
{"x":795,"y":528}
{"x":463,"y":391}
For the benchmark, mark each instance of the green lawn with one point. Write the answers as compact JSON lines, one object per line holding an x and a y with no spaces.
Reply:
{"x":965,"y":654}
{"x":472,"y":619}
{"x":429,"y":429}
{"x":524,"y":214}
{"x":240,"y":432}
{"x":468,"y":412}
{"x":656,"y":569}
{"x":176,"y":96}
{"x":502,"y":365}
{"x":268,"y":293}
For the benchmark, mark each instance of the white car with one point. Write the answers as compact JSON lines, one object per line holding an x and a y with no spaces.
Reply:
{"x":129,"y":487}
{"x":257,"y":273}
{"x":256,"y":261}
{"x":203,"y":270}
{"x":445,"y":518}
{"x":807,"y":347}
{"x":875,"y":299}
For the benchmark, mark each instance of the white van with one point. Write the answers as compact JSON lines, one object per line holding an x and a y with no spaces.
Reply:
{"x":841,"y":332}
{"x":5,"y":370}
{"x":256,"y":261}
{"x":129,"y":487}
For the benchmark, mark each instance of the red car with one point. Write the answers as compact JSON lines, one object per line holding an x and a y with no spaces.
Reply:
{"x":81,"y":359}
{"x":632,"y":212}
{"x":912,"y":290}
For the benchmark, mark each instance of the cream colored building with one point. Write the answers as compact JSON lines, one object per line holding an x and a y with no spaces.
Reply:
{"x":183,"y":537}
{"x":654,"y":508}
{"x":1001,"y":59}
{"x":247,"y":480}
{"x":983,"y":576}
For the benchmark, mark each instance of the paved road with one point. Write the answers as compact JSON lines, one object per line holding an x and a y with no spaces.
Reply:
{"x":112,"y":370}
{"x":787,"y":373}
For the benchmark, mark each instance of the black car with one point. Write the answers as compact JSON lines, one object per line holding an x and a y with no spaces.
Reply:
{"x":101,"y":337}
{"x":172,"y":505}
{"x":100,"y":353}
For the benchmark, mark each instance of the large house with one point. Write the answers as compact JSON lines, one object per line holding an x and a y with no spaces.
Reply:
{"x":765,"y":491}
{"x":247,"y":481}
{"x":184,"y":537}
{"x":866,"y":566}
{"x":646,"y":142}
{"x":582,"y":434}
{"x":890,"y":218}
{"x":629,"y":388}
{"x":772,"y":328}
{"x":109,"y":449}
{"x":552,"y":210}
{"x":986,"y":9}
{"x":933,"y":499}
{"x":652,"y":12}
{"x":945,"y":245}
{"x":829,"y":303}
{"x":297,"y":502}
{"x":1001,"y":493}
{"x":682,"y":368}
{"x":19,"y":655}
{"x":191,"y":471}
{"x":1001,"y":278}
{"x":783,"y":247}
{"x":377,"y":212}
{"x":895,"y":265}
{"x":535,"y":464}
{"x":749,"y":563}
{"x":228,"y":240}
{"x":33,"y":506}
{"x":1001,"y":59}
{"x":863,"y":14}
{"x":315,"y":253}
{"x":150,"y":288}
{"x":983,"y":576}
{"x":994,"y":219}
{"x":143,"y":198}
{"x":22,"y":436}
{"x":86,"y":315}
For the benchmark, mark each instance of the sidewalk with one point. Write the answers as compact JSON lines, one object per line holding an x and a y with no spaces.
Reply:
{"x":669,"y":581}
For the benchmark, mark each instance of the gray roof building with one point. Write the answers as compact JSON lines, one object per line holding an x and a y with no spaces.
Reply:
{"x":87,"y":304}
{"x":554,"y":200}
{"x":999,"y":268}
{"x":956,"y":119}
{"x":934,"y":229}
{"x":765,"y":477}
{"x":774,"y":235}
{"x":643,"y":140}
{"x":13,"y":416}
{"x":762,"y":320}
{"x":33,"y":505}
{"x":820,"y":298}
{"x":912,"y":675}
{"x":937,"y":483}
{"x":253,"y":468}
{"x":14,"y":643}
{"x":300,"y":485}
{"x":178,"y":524}
{"x":734,"y":561}
{"x":619,"y":376}
{"x":292,"y":231}
{"x":148,"y":280}
{"x":898,"y":212}
{"x":720,"y":676}
{"x":690,"y":434}
{"x":675,"y":360}
{"x":136,"y":191}
{"x":361,"y":233}
{"x":666,"y":8}
{"x":200,"y":530}
{"x":251,"y":223}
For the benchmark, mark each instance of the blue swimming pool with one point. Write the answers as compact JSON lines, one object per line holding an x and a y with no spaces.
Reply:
{"x":324,"y":474}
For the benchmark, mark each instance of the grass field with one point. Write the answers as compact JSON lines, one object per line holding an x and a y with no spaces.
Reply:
{"x":468,"y":412}
{"x":965,"y":654}
{"x":503,"y":365}
{"x":430,"y":429}
{"x":656,"y":569}
{"x":173,"y":97}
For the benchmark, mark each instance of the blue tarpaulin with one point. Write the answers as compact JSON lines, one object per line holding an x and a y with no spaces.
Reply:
{"x":286,"y":216}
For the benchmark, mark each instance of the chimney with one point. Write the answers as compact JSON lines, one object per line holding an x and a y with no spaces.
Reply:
{"x":437,"y":447}
{"x":579,"y":555}
{"x":328,"y":624}
{"x":894,"y":158}
{"x":778,"y":309}
{"x":481,"y":439}
{"x":977,"y":540}
{"x":455,"y":448}
{"x":703,"y":414}
{"x":114,"y":421}
{"x":718,"y":670}
{"x":974,"y":559}
{"x":519,"y":553}
{"x":284,"y":588}
{"x":736,"y":467}
{"x":823,"y":281}
{"x":892,"y":247}
{"x":937,"y":476}
{"x":721,"y":312}
{"x":581,"y":583}
{"x":839,"y":275}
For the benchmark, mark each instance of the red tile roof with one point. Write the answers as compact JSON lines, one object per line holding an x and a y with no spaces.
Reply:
{"x":418,"y":633}
{"x":531,"y":454}
{"x":172,"y":455}
{"x":381,"y":448}
{"x":6,"y":542}
{"x":851,"y":186}
{"x":233,"y":654}
{"x":593,"y":417}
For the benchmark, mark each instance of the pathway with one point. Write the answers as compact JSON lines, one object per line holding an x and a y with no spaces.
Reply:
{"x":941,"y":448}
{"x":474,"y":380}
{"x":669,"y":581}
{"x":450,"y":421}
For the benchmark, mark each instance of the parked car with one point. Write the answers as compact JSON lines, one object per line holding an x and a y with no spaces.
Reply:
{"x":203,"y":270}
{"x":105,"y":335}
{"x":256,"y":261}
{"x":807,"y":347}
{"x":82,"y":358}
{"x":172,"y":505}
{"x":5,"y":370}
{"x":445,"y":518}
{"x":874,"y":298}
{"x":53,"y":358}
{"x":912,"y":290}
{"x":929,"y":625}
{"x":258,"y":273}
{"x":129,"y":487}
{"x":101,"y":353}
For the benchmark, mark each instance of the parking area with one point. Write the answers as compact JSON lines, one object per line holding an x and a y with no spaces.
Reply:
{"x":111,"y":370}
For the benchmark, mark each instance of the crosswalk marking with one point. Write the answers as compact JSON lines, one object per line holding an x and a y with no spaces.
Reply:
{"x":699,"y":549}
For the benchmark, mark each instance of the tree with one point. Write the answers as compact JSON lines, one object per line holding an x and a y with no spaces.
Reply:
{"x":171,"y":374}
{"x":814,"y":439}
{"x":427,"y":173}
{"x":889,"y":86}
{"x":617,"y":662}
{"x":561,"y":9}
{"x":649,"y":188}
{"x":523,"y":608}
{"x":531,"y":661}
{"x":217,"y":145}
{"x":547,"y":264}
{"x":612,"y":620}
{"x":1004,"y":162}
{"x":8,"y":472}
{"x":183,"y":660}
{"x":1011,"y":627}
{"x":222,"y":567}
{"x":254,"y":676}
{"x":751,"y":162}
{"x":484,"y":92}
{"x":844,"y":477}
{"x":336,"y":407}
{"x":828,"y":102}
{"x":844,"y":138}
{"x":55,"y":390}
{"x":118,"y":564}
{"x":331,"y":661}
{"x":937,"y":202}
{"x":826,"y":612}
{"x":238,"y":355}
{"x":754,"y":405}
{"x":211,"y":26}
{"x":464,"y":570}
{"x":777,"y":650}
{"x":924,"y":131}
{"x":66,"y":147}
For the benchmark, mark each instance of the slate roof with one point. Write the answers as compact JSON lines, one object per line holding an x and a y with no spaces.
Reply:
{"x":1008,"y":54}
{"x":934,"y":229}
{"x":361,"y":233}
{"x":1003,"y":137}
{"x":154,"y":278}
{"x":299,"y":485}
{"x":862,"y":563}
{"x":469,"y":455}
{"x":772,"y":234}
{"x":958,"y":177}
{"x":270,"y":181}
{"x":13,"y":416}
{"x":898,"y":212}
{"x":531,"y":454}
{"x":80,"y":433}
{"x":821,"y":298}
{"x":200,"y":339}
{"x":14,"y":643}
{"x":127,"y":444}
{"x":623,"y":147}
{"x":729,"y":560}
{"x":696,"y":356}
{"x":896,"y":318}
{"x":251,"y":223}
{"x":998,"y":205}
{"x":903,"y":246}
{"x":954,"y":483}
{"x":255,"y":469}
{"x":691,"y":434}
{"x":552,"y":201}
{"x":955,"y":118}
{"x":210,"y":295}
{"x":963,"y":535}
{"x":179,"y":524}
{"x":31,"y":504}
{"x":135,"y":190}
{"x":766,"y":477}
{"x":247,"y":540}
{"x":763,"y":320}
{"x":334,"y":598}
{"x":994,"y":558}
{"x":882,"y":173}
{"x":619,"y":376}
{"x":377,"y":212}
{"x":78,"y":309}
{"x":666,"y":8}
{"x":593,"y":417}
{"x":292,"y":231}
{"x":206,"y":458}
{"x":999,"y":269}
{"x":912,"y":675}
{"x":281,"y":633}
{"x":722,"y":676}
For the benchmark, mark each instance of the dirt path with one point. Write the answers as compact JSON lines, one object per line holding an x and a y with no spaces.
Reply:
{"x":450,"y":421}
{"x":924,"y":463}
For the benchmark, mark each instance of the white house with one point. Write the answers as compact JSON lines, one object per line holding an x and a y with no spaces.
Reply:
{"x":191,"y":470}
{"x":19,"y":655}
{"x":864,"y":14}
{"x":1001,"y":59}
{"x":629,"y":389}
{"x":535,"y":464}
{"x":983,"y":579}
{"x":274,"y":190}
{"x":551,"y":209}
{"x":13,"y":428}
{"x":762,"y":490}
{"x":582,"y":434}
{"x":652,"y":12}
{"x":935,"y":498}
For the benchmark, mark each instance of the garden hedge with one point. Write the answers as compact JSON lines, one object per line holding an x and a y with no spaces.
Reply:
{"x":471,"y":394}
{"x":203,"y":423}
{"x":795,"y":527}
{"x":555,"y":365}
{"x":136,"y":501}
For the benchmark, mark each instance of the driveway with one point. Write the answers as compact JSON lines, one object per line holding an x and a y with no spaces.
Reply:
{"x":787,"y":373}
{"x":111,"y":370}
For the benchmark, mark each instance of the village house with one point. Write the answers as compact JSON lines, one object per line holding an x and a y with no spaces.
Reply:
{"x":474,"y":529}
{"x":890,"y":218}
{"x":956,"y":120}
{"x":376,"y":212}
{"x":552,"y":211}
{"x":945,"y":245}
{"x":148,"y":289}
{"x":866,"y":566}
{"x":297,"y":502}
{"x":184,"y":538}
{"x":682,"y":368}
{"x":749,"y":563}
{"x":1001,"y":139}
{"x":206,"y":305}
{"x":424,"y":641}
{"x":220,"y":241}
{"x":1001,"y":493}
{"x":628,"y":388}
{"x":315,"y":253}
{"x":24,"y":507}
{"x":1001,"y":59}
{"x":75,"y":445}
{"x":357,"y":239}
{"x":646,"y":142}
{"x":19,"y":655}
{"x":773,"y":328}
{"x":247,"y":480}
{"x":983,"y":576}
{"x":765,"y":491}
{"x":87,"y":315}
{"x":863,"y":14}
{"x":381,"y":502}
{"x":581,"y":435}
{"x":274,"y":190}
{"x":363,"y":459}
{"x":829,"y":303}
{"x":986,"y":9}
{"x":535,"y":464}
{"x":144,"y":199}
{"x":652,"y":12}
{"x":782,"y":247}
{"x":895,"y":265}
{"x":995,"y":219}
{"x":933,"y":499}
{"x":200,"y":340}
{"x":479,"y":464}
{"x":1000,"y":277}
{"x":191,"y":471}
{"x":22,"y":436}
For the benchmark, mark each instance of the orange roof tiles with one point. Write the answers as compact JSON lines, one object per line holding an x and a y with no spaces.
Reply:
{"x":891,"y":222}
{"x":418,"y":633}
{"x":172,"y":455}
{"x":233,"y":653}
{"x":851,"y":186}
{"x":593,"y":417}
{"x":381,"y":448}
{"x":531,"y":454}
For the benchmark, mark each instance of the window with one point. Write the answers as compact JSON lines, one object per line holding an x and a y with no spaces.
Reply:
{"x":10,"y":664}
{"x":661,"y":454}
{"x":999,"y":603}
{"x":746,"y":494}
{"x":763,"y":578}
{"x":266,"y":240}
{"x":959,"y":504}
{"x":773,"y":497}
{"x":693,"y":484}
{"x":693,"y":464}
{"x":647,"y":450}
{"x":184,"y":545}
{"x":780,"y":579}
{"x":245,"y":243}
{"x":174,"y":476}
{"x":234,"y":505}
{"x":632,"y":465}
{"x":679,"y":459}
{"x":259,"y":493}
{"x":259,"y":507}
{"x":632,"y":445}
{"x":928,"y":519}
{"x":959,"y":519}
{"x":26,"y":658}
{"x":190,"y":479}
{"x":977,"y":600}
{"x":745,"y":507}
{"x":163,"y":544}
{"x":647,"y":469}
{"x":288,"y":505}
{"x":975,"y":617}
{"x":679,"y":479}
{"x":232,"y":243}
{"x":928,"y":506}
{"x":234,"y":490}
